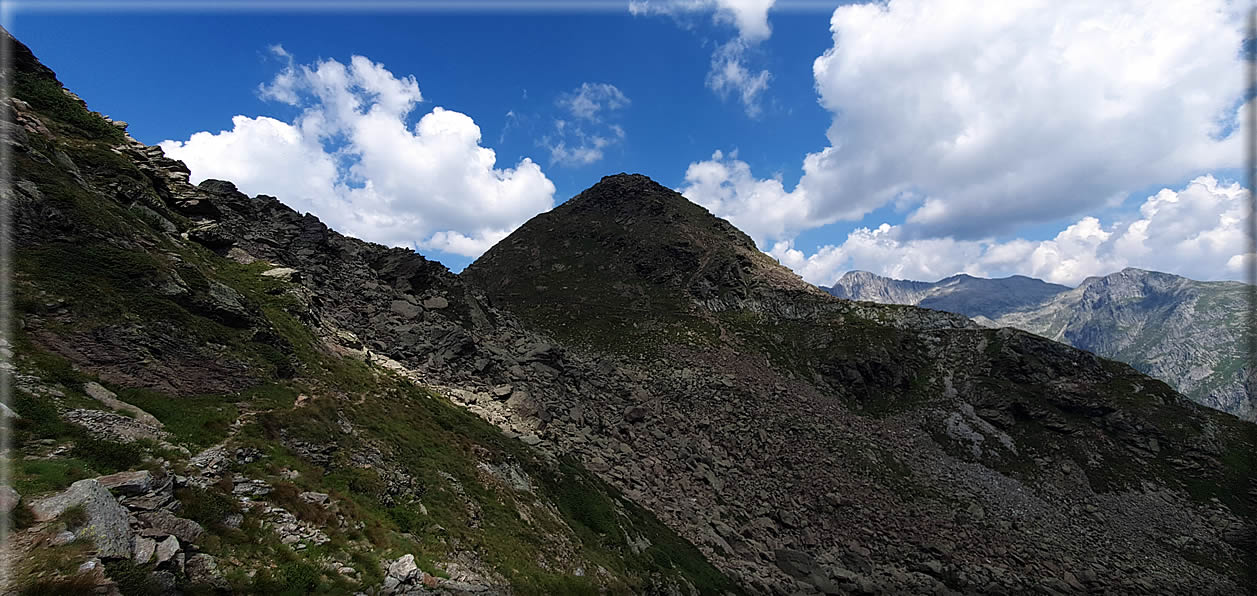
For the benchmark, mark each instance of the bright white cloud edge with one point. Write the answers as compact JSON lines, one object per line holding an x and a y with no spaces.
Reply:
{"x":1197,"y":231}
{"x":351,"y":159}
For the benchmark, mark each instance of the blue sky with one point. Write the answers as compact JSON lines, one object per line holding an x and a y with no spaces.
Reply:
{"x":924,"y":176}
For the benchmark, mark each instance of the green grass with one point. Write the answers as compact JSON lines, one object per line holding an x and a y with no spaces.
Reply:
{"x":199,"y":421}
{"x":46,"y":96}
{"x":38,"y":476}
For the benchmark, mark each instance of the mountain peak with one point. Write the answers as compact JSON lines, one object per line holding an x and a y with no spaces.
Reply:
{"x":627,"y":244}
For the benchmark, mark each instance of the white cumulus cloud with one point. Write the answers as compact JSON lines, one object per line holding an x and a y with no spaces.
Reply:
{"x":1196,"y":231}
{"x":352,"y":158}
{"x":976,"y":118}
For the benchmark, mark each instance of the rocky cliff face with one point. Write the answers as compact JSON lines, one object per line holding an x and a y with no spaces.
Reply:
{"x":1187,"y":333}
{"x":622,"y":396}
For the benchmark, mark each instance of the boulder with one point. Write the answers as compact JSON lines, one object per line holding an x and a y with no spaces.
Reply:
{"x":634,"y":414}
{"x":403,"y":568}
{"x":144,"y":550}
{"x":171,"y":525}
{"x":313,"y":497}
{"x":436,"y":303}
{"x":9,"y":499}
{"x":794,"y":563}
{"x":284,"y":273}
{"x":110,"y":399}
{"x":405,"y":309}
{"x":166,"y":550}
{"x":128,"y":483}
{"x":108,"y":523}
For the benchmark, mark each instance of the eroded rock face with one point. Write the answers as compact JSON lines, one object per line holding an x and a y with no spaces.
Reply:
{"x":108,"y":523}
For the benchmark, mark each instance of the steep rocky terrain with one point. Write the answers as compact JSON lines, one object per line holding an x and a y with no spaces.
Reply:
{"x":206,"y":400}
{"x":1187,"y":333}
{"x":625,"y":396}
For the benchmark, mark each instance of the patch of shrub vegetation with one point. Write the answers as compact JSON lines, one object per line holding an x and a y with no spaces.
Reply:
{"x":21,"y":517}
{"x":291,"y":578}
{"x":39,"y":418}
{"x":205,"y":506}
{"x":105,"y":456}
{"x":132,"y":579}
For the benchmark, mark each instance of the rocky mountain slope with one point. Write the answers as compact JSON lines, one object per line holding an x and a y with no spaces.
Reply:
{"x":857,"y":437}
{"x":216,"y":393}
{"x":1187,"y":333}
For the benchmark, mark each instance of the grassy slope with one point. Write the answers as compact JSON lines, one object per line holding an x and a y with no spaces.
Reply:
{"x":101,"y":278}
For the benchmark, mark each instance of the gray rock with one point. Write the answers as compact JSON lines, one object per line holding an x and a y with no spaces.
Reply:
{"x":9,"y":499}
{"x":202,"y":569}
{"x":284,"y":273}
{"x":164,"y":582}
{"x":110,"y":399}
{"x":63,"y":538}
{"x":224,"y":304}
{"x":128,"y":483}
{"x":634,"y":414}
{"x":403,"y":568}
{"x":166,"y":550}
{"x":165,"y":522}
{"x":240,"y":256}
{"x":108,"y":524}
{"x":436,"y":302}
{"x":794,"y":563}
{"x":313,"y":497}
{"x":6,"y":412}
{"x":144,"y":549}
{"x":405,"y":309}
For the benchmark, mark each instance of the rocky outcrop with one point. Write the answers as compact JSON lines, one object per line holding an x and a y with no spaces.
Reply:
{"x":107,"y":523}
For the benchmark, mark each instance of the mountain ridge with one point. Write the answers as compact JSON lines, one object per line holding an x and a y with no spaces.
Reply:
{"x":649,"y":405}
{"x":1182,"y":331}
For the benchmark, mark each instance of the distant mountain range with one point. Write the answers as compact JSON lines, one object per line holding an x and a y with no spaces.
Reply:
{"x":1185,"y":332}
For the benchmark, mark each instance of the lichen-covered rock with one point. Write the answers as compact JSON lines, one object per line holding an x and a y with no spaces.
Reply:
{"x":108,"y":523}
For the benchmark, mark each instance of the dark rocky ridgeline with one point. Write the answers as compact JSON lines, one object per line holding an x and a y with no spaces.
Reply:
{"x":214,"y":393}
{"x":803,"y":443}
{"x":862,"y":448}
{"x":1187,"y":333}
